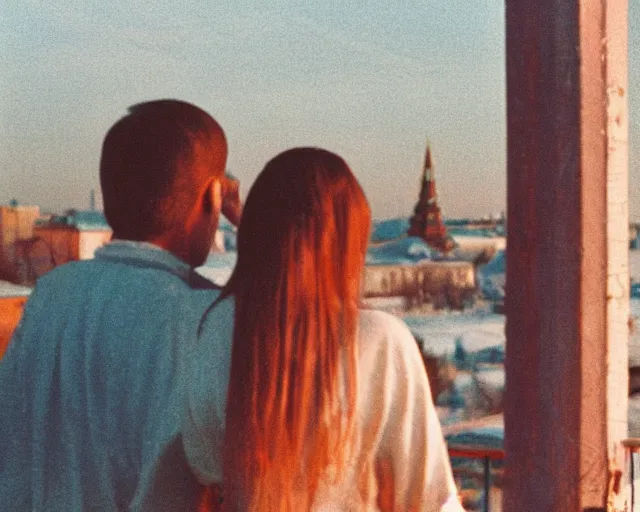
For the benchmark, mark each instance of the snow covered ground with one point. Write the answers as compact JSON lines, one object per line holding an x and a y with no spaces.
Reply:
{"x":470,"y":243}
{"x":218,"y":267}
{"x":404,"y":251}
{"x":472,"y":330}
{"x":492,"y":277}
{"x":389,"y":229}
{"x":8,"y":289}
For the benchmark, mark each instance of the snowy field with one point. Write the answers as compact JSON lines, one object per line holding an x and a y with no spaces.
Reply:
{"x":8,"y":289}
{"x":218,"y":267}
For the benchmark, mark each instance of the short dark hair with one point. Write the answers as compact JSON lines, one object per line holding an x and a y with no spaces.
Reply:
{"x":155,"y":163}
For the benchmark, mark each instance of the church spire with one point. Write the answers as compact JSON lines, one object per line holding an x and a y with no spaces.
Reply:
{"x":428,"y":179}
{"x":427,"y":220}
{"x":427,"y":169}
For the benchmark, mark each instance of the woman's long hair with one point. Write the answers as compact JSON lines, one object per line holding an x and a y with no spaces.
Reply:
{"x":291,"y":400}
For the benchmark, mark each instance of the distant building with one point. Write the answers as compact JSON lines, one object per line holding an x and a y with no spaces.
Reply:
{"x":16,"y":225}
{"x":73,"y":236}
{"x":427,"y":220}
{"x":443,"y":284}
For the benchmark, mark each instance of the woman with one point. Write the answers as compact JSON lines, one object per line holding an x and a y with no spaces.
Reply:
{"x":328,"y":405}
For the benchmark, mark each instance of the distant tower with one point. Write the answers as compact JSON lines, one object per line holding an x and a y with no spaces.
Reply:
{"x":427,"y":219}
{"x":92,"y":200}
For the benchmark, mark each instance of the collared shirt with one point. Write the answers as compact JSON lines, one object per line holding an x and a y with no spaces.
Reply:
{"x":92,"y":386}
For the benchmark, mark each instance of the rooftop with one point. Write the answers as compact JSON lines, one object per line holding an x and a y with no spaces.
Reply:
{"x":82,"y":220}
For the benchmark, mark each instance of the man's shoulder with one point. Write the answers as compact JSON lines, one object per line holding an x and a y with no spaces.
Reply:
{"x":78,"y":281}
{"x":69,"y":267}
{"x":68,"y":273}
{"x":92,"y":268}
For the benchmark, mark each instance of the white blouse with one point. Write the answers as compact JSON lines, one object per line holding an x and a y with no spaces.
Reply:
{"x":398,"y":429}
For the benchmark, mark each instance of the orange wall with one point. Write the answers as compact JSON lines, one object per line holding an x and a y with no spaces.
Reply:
{"x":69,"y":244}
{"x":64,"y":242}
{"x":10,"y":313}
{"x":16,"y":223}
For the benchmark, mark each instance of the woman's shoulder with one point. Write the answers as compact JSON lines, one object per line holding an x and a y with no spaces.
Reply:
{"x":379,"y":324}
{"x":383,"y":336}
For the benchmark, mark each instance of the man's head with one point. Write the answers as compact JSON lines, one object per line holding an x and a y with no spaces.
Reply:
{"x":160,"y":174}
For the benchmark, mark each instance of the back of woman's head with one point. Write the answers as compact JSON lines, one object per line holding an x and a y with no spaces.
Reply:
{"x":306,"y":203}
{"x":301,"y":249}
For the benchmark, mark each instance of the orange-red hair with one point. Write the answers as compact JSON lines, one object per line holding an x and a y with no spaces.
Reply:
{"x":292,"y":393}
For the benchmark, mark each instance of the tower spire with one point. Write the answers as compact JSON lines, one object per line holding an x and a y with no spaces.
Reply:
{"x":427,"y":219}
{"x":427,"y":168}
{"x":428,"y":179}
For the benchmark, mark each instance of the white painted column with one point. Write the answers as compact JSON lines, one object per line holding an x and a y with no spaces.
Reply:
{"x":615,"y":53}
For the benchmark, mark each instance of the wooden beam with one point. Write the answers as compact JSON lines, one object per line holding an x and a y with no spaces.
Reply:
{"x":562,"y":376}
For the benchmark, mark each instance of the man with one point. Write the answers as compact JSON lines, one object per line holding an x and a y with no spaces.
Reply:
{"x":93,"y":384}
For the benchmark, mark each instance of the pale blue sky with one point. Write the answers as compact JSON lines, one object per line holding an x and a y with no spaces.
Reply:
{"x":369,"y":82}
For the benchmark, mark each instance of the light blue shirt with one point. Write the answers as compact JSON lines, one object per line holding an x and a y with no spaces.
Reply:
{"x":93,"y":384}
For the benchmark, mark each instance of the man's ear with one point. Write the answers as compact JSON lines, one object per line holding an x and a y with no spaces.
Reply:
{"x":213,"y":197}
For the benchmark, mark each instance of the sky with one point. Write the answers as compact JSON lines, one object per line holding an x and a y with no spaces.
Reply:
{"x":371,"y":81}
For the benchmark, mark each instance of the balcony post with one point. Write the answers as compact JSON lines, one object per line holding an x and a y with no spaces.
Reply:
{"x":567,"y":267}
